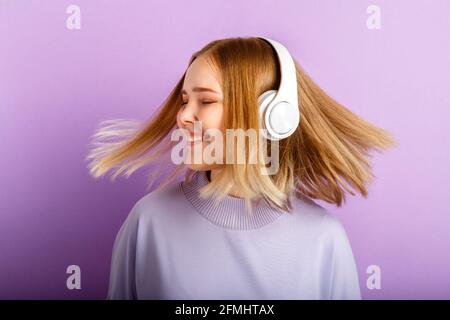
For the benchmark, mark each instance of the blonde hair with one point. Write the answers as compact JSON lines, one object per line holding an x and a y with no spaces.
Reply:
{"x":325,"y":157}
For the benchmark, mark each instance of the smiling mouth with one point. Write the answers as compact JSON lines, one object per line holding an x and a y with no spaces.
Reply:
{"x":195,"y":140}
{"x":192,"y":140}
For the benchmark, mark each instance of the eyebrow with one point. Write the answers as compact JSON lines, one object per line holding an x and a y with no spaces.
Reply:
{"x":200,"y":89}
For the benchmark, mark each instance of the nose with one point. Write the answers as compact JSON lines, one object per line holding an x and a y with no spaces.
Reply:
{"x":188,"y":115}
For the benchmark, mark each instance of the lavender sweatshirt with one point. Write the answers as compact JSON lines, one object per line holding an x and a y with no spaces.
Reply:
{"x":176,"y":245}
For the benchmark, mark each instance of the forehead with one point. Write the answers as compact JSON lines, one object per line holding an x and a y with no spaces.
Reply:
{"x":201,"y":73}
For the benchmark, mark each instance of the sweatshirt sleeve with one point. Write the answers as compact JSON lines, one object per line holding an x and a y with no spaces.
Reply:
{"x":343,"y":274}
{"x":122,"y":283}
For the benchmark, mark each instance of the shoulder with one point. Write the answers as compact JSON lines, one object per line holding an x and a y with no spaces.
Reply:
{"x":156,"y":203}
{"x":317,"y":219}
{"x":160,"y":197}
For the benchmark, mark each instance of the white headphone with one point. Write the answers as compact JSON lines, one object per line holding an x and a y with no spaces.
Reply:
{"x":278,"y":109}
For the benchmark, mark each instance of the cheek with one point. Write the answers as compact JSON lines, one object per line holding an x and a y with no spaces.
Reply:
{"x":212,"y":117}
{"x":179,"y":124}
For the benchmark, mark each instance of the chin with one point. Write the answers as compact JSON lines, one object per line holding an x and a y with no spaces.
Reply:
{"x":203,"y":167}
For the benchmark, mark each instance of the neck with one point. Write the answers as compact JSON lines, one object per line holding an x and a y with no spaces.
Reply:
{"x":230,"y":212}
{"x":234,"y":192}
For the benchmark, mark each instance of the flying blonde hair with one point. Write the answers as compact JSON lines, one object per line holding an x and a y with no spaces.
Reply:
{"x":325,"y":157}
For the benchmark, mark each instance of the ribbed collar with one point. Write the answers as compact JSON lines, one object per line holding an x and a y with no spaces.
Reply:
{"x":230,"y":212}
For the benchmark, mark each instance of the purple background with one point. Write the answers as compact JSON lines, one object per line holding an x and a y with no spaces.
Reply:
{"x":57,"y":84}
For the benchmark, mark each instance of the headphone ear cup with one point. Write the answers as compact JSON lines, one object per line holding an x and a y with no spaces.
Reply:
{"x":264,"y":101}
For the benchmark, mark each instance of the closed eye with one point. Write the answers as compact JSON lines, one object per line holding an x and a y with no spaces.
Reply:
{"x":203,"y":102}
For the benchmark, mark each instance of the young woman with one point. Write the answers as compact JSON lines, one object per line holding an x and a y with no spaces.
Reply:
{"x":229,"y":230}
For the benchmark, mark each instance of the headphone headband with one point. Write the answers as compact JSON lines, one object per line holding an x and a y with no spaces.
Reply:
{"x":288,"y":83}
{"x":279,"y":109}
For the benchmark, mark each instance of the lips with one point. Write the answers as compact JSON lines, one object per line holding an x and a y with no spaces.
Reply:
{"x":193,"y":139}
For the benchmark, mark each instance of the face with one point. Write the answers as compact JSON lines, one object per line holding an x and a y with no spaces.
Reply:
{"x":202,"y":100}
